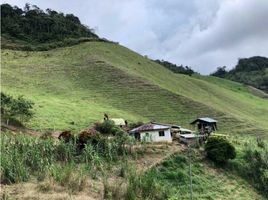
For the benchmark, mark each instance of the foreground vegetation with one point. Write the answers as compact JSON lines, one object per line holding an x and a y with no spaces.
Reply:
{"x":24,"y":158}
{"x":172,"y":178}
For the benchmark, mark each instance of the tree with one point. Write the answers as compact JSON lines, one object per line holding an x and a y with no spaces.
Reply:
{"x":7,"y":111}
{"x":219,"y":150}
{"x":220,"y":72}
{"x":19,"y":109}
{"x":175,"y":68}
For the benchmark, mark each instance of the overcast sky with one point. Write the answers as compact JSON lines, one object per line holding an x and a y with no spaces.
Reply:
{"x":203,"y":34}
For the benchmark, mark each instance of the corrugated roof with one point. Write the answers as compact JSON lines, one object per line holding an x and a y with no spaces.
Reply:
{"x":205,"y":119}
{"x":171,"y":125}
{"x":149,"y":127}
{"x":118,"y":121}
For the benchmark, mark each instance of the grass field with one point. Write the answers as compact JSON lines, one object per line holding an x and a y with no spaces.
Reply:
{"x":72,"y":87}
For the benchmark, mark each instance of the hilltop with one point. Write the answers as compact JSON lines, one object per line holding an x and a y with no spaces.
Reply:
{"x":251,"y":71}
{"x":32,"y":28}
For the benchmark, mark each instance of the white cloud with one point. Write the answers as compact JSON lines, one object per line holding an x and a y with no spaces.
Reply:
{"x":202,"y":34}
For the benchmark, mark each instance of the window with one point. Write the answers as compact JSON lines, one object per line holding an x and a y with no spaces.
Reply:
{"x":161,"y":133}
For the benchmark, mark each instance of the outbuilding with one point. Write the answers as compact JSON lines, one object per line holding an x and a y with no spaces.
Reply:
{"x":152,"y":132}
{"x":205,"y":125}
{"x":119,"y":122}
{"x":190,"y":139}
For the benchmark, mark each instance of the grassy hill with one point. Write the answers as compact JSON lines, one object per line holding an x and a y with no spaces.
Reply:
{"x":73,"y":86}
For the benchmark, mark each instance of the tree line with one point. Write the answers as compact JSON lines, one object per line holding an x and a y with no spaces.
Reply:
{"x":33,"y":24}
{"x":176,"y":68}
{"x":251,"y":71}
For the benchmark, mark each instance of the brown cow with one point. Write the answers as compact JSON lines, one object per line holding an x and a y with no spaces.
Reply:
{"x":66,"y":136}
{"x":85,"y":136}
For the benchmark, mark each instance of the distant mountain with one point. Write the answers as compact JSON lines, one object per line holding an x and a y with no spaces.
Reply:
{"x":250,"y":71}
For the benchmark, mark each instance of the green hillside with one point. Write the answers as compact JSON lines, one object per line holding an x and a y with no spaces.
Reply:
{"x":251,"y":71}
{"x":73,"y":86}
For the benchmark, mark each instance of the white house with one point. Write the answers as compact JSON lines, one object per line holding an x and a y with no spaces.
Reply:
{"x":152,"y":133}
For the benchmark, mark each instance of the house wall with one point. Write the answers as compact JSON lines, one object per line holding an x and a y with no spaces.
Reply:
{"x":153,"y":136}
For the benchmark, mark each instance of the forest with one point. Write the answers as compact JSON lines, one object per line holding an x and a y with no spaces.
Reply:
{"x":250,"y":71}
{"x":32,"y":24}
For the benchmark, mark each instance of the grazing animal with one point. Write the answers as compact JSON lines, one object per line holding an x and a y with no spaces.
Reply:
{"x":85,"y":136}
{"x":66,"y":136}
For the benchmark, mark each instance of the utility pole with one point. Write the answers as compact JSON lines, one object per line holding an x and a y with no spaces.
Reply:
{"x":190,"y":171}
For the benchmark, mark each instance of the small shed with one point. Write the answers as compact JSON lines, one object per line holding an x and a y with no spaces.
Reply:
{"x":205,"y":125}
{"x":152,"y":132}
{"x":190,"y":139}
{"x":119,"y":122}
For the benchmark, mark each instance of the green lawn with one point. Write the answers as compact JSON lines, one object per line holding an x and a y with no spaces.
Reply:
{"x":78,"y":84}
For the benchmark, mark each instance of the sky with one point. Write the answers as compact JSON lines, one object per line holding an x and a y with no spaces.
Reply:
{"x":202,"y":34}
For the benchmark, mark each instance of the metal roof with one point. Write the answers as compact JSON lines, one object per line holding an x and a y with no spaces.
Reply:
{"x":171,"y":125}
{"x":205,"y":119}
{"x":149,"y":127}
{"x":188,"y":136}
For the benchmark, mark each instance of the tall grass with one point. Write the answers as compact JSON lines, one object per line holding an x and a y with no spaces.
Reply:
{"x":252,"y":164}
{"x":24,"y":156}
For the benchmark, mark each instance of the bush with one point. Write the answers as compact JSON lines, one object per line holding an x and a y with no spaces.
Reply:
{"x":255,"y":168}
{"x":219,"y":150}
{"x":135,"y":125}
{"x":106,"y":127}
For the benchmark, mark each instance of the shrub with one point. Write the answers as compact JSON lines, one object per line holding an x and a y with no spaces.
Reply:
{"x":255,"y":168}
{"x":219,"y":150}
{"x":135,"y":125}
{"x":105,"y":127}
